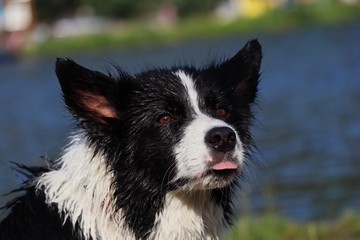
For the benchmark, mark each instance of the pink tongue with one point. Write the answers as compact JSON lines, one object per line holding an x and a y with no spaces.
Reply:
{"x":224,"y":165}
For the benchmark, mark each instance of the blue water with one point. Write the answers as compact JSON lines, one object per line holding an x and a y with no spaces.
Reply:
{"x":307,"y":128}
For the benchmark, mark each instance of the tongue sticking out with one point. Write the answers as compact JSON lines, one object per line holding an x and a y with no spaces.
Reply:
{"x":224,"y":166}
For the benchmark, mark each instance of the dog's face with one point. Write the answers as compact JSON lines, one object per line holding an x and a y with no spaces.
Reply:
{"x":174,"y":129}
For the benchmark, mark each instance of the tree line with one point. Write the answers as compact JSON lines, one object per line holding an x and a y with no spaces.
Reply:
{"x":119,"y":9}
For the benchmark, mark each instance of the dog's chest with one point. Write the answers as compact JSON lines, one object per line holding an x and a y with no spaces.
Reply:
{"x":189,"y":216}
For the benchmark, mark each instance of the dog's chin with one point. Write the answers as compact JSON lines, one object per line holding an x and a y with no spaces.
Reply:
{"x":218,"y":178}
{"x":211,"y":179}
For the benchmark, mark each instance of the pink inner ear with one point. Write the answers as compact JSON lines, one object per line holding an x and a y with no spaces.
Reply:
{"x":97,"y":105}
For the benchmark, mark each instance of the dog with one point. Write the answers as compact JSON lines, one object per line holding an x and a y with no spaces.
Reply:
{"x":156,"y":155}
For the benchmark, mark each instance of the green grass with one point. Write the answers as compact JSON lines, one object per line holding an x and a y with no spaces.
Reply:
{"x":274,"y":227}
{"x":137,"y":33}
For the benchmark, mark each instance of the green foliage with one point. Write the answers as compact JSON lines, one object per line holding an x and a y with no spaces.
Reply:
{"x":192,"y":7}
{"x":51,"y":10}
{"x":130,"y":8}
{"x":114,"y":8}
{"x":125,"y":9}
{"x":273,"y":227}
{"x":136,"y":33}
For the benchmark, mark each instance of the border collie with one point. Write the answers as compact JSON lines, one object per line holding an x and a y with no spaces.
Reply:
{"x":157,"y":155}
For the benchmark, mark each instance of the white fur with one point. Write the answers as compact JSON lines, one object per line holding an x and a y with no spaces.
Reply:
{"x":192,"y":155}
{"x":81,"y":188}
{"x":188,"y":83}
{"x":189,"y":215}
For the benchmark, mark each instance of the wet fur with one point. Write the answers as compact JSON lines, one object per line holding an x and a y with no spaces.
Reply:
{"x":124,"y":175}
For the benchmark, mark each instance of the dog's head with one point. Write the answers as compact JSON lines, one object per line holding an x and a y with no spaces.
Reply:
{"x":179,"y":128}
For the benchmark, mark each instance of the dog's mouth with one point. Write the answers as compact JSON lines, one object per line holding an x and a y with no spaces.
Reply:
{"x":219,"y":174}
{"x":224,"y":169}
{"x":224,"y":165}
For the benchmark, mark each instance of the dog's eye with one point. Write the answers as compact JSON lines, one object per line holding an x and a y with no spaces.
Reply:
{"x":221,"y":112}
{"x":165,"y":119}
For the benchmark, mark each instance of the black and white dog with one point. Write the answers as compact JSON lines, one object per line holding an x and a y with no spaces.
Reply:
{"x":157,"y":155}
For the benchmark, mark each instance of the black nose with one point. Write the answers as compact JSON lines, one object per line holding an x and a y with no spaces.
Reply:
{"x":222,"y":139}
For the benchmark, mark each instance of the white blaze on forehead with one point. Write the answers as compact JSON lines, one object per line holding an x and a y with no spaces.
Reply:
{"x":188,"y":83}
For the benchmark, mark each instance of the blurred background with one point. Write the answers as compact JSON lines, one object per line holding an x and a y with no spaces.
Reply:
{"x":307,"y":169}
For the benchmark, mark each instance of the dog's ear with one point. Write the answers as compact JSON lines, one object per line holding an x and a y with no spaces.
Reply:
{"x":241,"y":72}
{"x":89,"y":95}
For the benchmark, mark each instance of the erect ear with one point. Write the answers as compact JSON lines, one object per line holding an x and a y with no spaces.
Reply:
{"x":89,"y":95}
{"x":241,"y":71}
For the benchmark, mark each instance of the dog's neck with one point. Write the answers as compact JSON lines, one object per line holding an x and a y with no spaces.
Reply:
{"x":80,"y":186}
{"x":189,"y":215}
